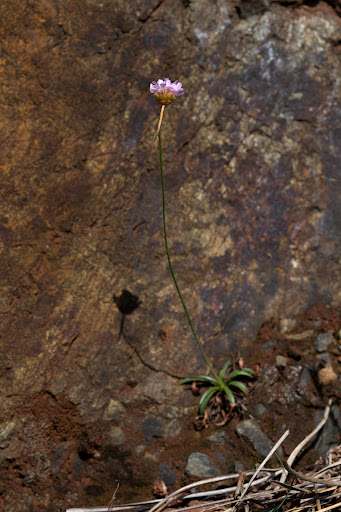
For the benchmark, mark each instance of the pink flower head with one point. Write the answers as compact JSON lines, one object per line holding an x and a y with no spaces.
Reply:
{"x":166,"y":91}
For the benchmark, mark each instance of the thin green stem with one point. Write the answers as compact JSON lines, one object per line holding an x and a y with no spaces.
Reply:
{"x":287,"y":494}
{"x":171,"y":268}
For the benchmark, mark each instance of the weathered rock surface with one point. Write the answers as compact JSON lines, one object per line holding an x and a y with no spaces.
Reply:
{"x":323,"y":341}
{"x":166,"y":474}
{"x":200,"y":465}
{"x":329,"y":437}
{"x":253,"y":434}
{"x":252,"y":160}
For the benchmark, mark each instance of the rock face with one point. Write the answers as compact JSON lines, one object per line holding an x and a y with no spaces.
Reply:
{"x":252,"y":157}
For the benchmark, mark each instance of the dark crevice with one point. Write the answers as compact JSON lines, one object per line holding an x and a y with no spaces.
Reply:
{"x":296,"y":3}
{"x":246,"y":8}
{"x":309,"y":3}
{"x":146,"y":17}
{"x":126,"y":303}
{"x":187,"y":142}
{"x":148,"y":365}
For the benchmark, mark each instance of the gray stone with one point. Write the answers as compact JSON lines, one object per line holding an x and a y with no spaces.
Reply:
{"x":238,"y":466}
{"x":323,"y":341}
{"x":268,"y":345}
{"x":305,"y":378}
{"x":166,"y":474}
{"x":152,"y":427}
{"x":218,"y":437}
{"x":330,"y":435}
{"x":172,"y":428}
{"x":260,"y":410}
{"x":251,"y":432}
{"x":200,"y":465}
{"x":325,"y":358}
{"x":219,"y":456}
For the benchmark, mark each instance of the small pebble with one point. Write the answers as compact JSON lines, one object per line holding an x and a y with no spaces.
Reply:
{"x":323,"y":341}
{"x":218,"y":437}
{"x":268,"y":345}
{"x":260,"y":409}
{"x":330,"y":435}
{"x":305,"y":378}
{"x":238,"y":466}
{"x":116,"y":436}
{"x":166,"y":474}
{"x":287,"y":325}
{"x":326,"y":376}
{"x":200,"y":465}
{"x":325,"y":358}
{"x":281,"y":362}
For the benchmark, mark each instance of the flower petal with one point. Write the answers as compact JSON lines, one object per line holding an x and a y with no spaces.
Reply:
{"x":165,"y":91}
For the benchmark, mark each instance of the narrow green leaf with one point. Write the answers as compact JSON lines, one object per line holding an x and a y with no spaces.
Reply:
{"x":239,"y":385}
{"x":238,"y":373}
{"x":250,"y":370}
{"x":206,"y":397}
{"x":224,"y":369}
{"x":200,"y":378}
{"x":229,"y":394}
{"x":187,"y":381}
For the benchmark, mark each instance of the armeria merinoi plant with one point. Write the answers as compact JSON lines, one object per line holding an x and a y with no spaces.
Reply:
{"x":220,"y":383}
